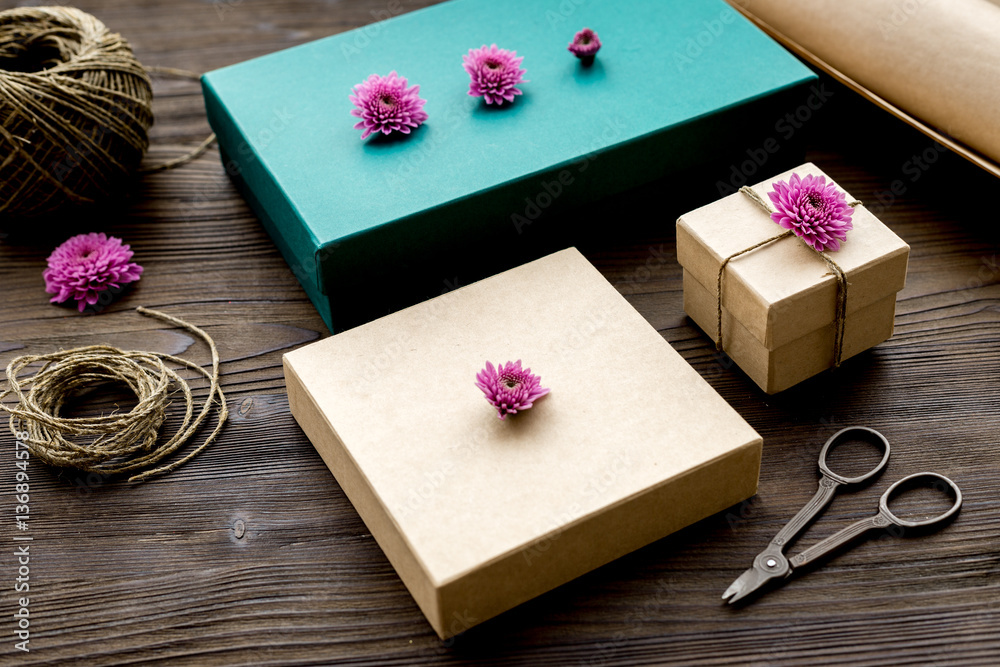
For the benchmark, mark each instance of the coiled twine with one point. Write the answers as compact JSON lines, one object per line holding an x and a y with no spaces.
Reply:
{"x":75,"y":110}
{"x":119,"y":442}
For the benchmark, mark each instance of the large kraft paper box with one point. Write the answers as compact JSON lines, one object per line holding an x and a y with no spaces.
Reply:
{"x":779,"y":301}
{"x":677,"y":85}
{"x":478,"y":515}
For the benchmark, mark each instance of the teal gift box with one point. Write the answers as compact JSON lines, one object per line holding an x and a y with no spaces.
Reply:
{"x":371,"y":225}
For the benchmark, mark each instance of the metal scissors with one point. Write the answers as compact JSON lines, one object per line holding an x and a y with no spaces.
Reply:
{"x":771,"y":563}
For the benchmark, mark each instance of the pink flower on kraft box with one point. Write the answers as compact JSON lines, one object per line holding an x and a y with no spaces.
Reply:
{"x":86,"y":265}
{"x":510,"y":388}
{"x":385,"y":104}
{"x":815,"y":211}
{"x":494,"y":73}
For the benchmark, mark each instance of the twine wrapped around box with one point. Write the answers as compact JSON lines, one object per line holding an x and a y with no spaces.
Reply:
{"x":785,"y":309}
{"x":840,"y":315}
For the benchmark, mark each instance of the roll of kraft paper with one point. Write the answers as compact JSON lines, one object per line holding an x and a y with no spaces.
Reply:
{"x":937,"y":60}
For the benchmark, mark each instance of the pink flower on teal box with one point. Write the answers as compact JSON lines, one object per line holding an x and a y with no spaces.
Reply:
{"x":585,"y":45}
{"x":384,"y":104}
{"x":494,"y":73}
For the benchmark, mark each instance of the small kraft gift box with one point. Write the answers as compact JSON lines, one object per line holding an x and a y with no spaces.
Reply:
{"x":479,"y":514}
{"x":787,"y":312}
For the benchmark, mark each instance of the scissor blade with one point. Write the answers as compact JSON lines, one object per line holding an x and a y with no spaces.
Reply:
{"x":745,"y":584}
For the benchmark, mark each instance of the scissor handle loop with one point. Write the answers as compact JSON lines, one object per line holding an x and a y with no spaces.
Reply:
{"x":859,"y":433}
{"x":883,"y":503}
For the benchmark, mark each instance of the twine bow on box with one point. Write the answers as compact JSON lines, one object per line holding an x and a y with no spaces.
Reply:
{"x":840,"y":315}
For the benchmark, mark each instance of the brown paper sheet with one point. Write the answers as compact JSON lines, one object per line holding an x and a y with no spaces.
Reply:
{"x":934,"y":63}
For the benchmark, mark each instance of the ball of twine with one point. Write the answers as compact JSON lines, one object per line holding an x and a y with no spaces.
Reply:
{"x":75,"y":109}
{"x":119,"y":442}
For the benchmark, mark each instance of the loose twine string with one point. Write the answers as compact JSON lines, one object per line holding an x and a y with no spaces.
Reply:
{"x":195,"y":152}
{"x":841,"y":310}
{"x":75,"y":110}
{"x":122,"y":443}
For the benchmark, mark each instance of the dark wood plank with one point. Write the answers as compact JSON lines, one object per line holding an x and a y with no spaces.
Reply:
{"x":251,"y":554}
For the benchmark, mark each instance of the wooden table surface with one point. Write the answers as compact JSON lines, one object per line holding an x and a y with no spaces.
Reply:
{"x":251,"y":554}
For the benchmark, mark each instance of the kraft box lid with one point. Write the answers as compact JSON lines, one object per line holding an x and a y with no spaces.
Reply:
{"x":477,"y":514}
{"x":676,"y":84}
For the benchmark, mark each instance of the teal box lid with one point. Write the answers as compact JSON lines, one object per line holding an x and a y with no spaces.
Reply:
{"x":675,"y":84}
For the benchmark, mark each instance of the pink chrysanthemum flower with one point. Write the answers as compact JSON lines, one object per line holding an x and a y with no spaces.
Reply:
{"x":494,"y":73}
{"x":585,"y":45}
{"x":384,"y":104}
{"x":813,"y":209}
{"x":86,"y":265}
{"x":510,"y":388}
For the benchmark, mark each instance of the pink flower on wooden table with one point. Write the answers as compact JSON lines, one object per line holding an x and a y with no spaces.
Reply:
{"x":86,"y":265}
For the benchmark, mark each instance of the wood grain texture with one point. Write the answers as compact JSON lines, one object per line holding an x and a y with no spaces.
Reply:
{"x":251,"y":554}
